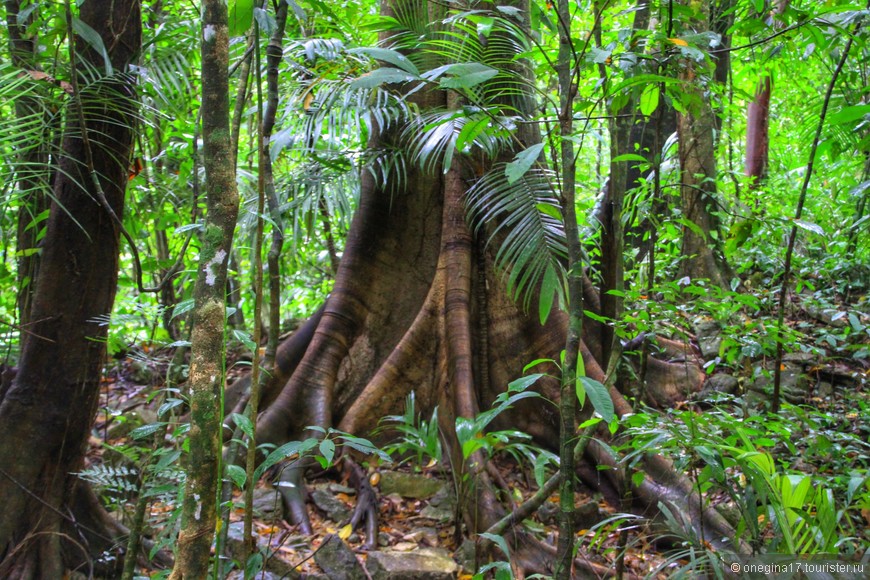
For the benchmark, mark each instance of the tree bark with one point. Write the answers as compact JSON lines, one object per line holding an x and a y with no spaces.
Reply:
{"x":46,"y":415}
{"x":697,"y":149}
{"x":207,"y":339}
{"x":757,"y":139}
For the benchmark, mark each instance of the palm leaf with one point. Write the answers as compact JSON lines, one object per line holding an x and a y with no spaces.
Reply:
{"x":523,"y":218}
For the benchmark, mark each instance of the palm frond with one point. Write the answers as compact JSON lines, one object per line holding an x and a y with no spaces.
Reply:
{"x":524,"y":218}
{"x":433,"y":138}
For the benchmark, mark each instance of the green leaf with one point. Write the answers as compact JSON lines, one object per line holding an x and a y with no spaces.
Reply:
{"x":535,"y":363}
{"x":380,"y":76}
{"x":188,"y":227}
{"x":599,"y":396}
{"x":298,"y":10}
{"x":169,"y":405}
{"x":498,"y":541}
{"x":388,"y":55}
{"x":246,"y":339}
{"x":738,"y":234}
{"x":327,"y":450}
{"x":237,"y":475}
{"x":598,"y":55}
{"x":849,"y":114}
{"x":465,"y":430}
{"x":590,"y":422}
{"x":549,"y":289}
{"x":550,"y":210}
{"x":524,"y":383}
{"x":93,"y":38}
{"x":540,"y":464}
{"x":146,"y":430}
{"x":283,"y":452}
{"x":182,"y":307}
{"x":810,"y":226}
{"x":241,"y":16}
{"x":471,"y":130}
{"x":581,"y":391}
{"x":649,"y":100}
{"x":466,"y":75}
{"x":522,"y":162}
{"x":244,"y":423}
{"x":253,"y":565}
{"x":365,"y":446}
{"x":629,"y":157}
{"x":265,"y":21}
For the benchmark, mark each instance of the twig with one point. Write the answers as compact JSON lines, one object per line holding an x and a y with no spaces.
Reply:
{"x":21,"y":328}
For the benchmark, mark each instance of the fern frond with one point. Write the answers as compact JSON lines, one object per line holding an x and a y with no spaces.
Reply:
{"x":117,"y":479}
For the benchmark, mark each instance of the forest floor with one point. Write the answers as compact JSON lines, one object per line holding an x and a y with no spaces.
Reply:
{"x":416,"y":499}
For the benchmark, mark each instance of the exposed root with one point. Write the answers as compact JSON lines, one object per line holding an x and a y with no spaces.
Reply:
{"x":366,"y":509}
{"x":291,"y":486}
{"x":403,"y":367}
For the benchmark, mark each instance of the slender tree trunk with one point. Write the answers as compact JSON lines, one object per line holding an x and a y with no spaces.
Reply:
{"x":697,"y":148}
{"x":207,"y":338}
{"x":46,"y":415}
{"x":274,"y":56}
{"x":757,"y":137}
{"x":32,"y":169}
{"x":758,"y":123}
{"x":570,"y":372}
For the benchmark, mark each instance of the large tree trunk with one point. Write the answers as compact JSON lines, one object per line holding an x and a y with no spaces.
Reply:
{"x":418,"y":306}
{"x":46,"y":415}
{"x":411,"y":311}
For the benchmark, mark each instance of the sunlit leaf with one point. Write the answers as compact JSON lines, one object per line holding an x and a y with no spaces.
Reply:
{"x":241,"y":15}
{"x":649,"y":100}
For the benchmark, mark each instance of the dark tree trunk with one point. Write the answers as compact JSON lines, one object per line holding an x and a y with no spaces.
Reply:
{"x":758,"y":119}
{"x":46,"y":415}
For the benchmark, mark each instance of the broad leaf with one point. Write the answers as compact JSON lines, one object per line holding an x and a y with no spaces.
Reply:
{"x":599,"y":396}
{"x":380,"y":76}
{"x":237,"y":475}
{"x":241,"y":15}
{"x":524,"y":383}
{"x":327,"y":450}
{"x":549,"y":290}
{"x":810,"y":227}
{"x":388,"y":55}
{"x":649,"y":100}
{"x":244,"y":423}
{"x":522,"y":162}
